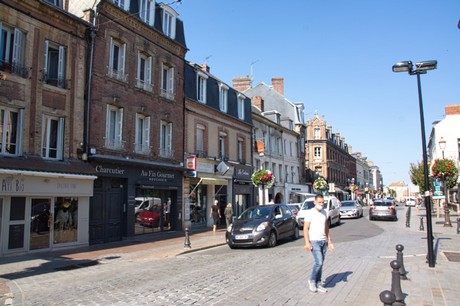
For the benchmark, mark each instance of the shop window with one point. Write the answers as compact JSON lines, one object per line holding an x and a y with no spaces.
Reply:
{"x":198,"y":204}
{"x":153,"y":210}
{"x":65,"y":220}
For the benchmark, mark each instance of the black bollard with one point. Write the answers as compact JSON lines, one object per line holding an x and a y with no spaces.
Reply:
{"x":421,"y":228}
{"x":396,"y":284}
{"x":187,"y":244}
{"x":387,"y":297}
{"x":408,"y":217}
{"x":447,"y":222}
{"x":458,"y":225}
{"x":400,"y":258}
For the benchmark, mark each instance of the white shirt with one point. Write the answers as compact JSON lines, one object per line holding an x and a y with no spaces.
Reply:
{"x":317,"y":220}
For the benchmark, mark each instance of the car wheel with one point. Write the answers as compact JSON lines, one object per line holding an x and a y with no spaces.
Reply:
{"x":272,"y":240}
{"x":295,"y":236}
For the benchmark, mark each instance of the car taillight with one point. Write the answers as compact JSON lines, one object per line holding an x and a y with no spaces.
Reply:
{"x":372,"y":207}
{"x":391,"y":208}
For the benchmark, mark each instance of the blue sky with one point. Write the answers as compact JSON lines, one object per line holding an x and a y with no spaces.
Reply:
{"x":336,"y":56}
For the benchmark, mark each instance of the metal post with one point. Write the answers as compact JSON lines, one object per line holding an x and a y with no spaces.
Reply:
{"x":458,"y":225}
{"x":447,"y":222}
{"x":429,"y":231}
{"x":187,"y":244}
{"x":396,"y":284}
{"x":408,"y":217}
{"x":421,"y":228}
{"x":400,"y":258}
{"x":387,"y":297}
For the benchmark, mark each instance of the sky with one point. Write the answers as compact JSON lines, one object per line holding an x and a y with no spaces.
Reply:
{"x":336,"y":57}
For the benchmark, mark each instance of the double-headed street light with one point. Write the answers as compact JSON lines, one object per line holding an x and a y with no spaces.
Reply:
{"x":418,"y":69}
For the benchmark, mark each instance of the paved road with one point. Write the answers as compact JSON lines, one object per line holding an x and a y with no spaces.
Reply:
{"x":221,"y":276}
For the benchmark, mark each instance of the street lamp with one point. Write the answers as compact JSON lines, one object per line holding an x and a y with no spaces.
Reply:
{"x":447,"y":223}
{"x":442,"y":145}
{"x":422,"y":68}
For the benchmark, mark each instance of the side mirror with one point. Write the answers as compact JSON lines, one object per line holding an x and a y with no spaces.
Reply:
{"x":279,"y":216}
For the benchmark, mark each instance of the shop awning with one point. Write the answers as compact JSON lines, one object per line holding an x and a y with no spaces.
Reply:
{"x":337,"y":189}
{"x":209,"y":179}
{"x":48,"y":174}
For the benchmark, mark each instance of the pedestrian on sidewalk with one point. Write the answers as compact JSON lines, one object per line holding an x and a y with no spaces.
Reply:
{"x":317,"y":241}
{"x":228,"y":212}
{"x":215,"y":214}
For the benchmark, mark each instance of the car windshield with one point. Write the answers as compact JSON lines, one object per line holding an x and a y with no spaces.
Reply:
{"x":255,"y":213}
{"x":382,"y":203}
{"x":347,"y":204}
{"x":308,"y":205}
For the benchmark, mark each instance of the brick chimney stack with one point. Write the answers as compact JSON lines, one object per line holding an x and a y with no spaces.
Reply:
{"x":241,"y":84}
{"x":452,"y":109}
{"x":258,"y":102}
{"x":278,"y":85}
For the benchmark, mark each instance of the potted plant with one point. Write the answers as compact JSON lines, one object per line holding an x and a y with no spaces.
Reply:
{"x":263,"y":177}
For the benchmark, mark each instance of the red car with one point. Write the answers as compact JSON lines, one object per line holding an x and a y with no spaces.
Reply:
{"x":150,"y":217}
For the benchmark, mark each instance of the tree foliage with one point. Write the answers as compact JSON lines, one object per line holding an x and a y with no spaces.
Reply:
{"x":417,"y":175}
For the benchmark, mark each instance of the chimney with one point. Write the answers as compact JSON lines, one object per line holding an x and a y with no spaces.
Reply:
{"x":205,"y":67}
{"x":452,"y":109}
{"x":278,"y":85}
{"x":88,"y":15}
{"x":258,"y":102}
{"x":242,"y":84}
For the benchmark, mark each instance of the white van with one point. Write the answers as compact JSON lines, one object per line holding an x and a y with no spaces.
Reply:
{"x":144,"y":203}
{"x":331,"y":205}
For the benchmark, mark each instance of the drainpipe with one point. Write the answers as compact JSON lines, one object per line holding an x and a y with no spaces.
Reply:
{"x":88,"y":94}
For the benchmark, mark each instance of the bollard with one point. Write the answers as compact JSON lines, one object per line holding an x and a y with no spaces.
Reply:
{"x":387,"y":297}
{"x":408,"y":217}
{"x":447,"y":222}
{"x":399,"y":257}
{"x":187,"y":244}
{"x":396,"y":284}
{"x":421,"y":228}
{"x":458,"y":225}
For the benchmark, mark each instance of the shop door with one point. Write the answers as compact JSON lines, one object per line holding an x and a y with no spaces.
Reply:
{"x":106,"y":211}
{"x":40,"y":224}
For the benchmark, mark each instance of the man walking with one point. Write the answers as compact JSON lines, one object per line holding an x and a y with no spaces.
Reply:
{"x":317,"y":240}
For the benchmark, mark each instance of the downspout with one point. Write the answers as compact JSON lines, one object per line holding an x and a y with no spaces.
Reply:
{"x":88,"y":94}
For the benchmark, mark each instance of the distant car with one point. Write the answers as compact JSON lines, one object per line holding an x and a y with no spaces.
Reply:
{"x":393,"y":200}
{"x":382,"y":209}
{"x":295,"y":207}
{"x":262,"y":225}
{"x":410,"y":201}
{"x":351,"y":209}
{"x":331,"y":205}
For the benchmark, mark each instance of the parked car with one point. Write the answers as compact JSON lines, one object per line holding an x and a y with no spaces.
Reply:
{"x":151,"y":216}
{"x":351,"y":209}
{"x":295,"y":207}
{"x":143,"y":203}
{"x":262,"y":225}
{"x":382,"y":209}
{"x":331,"y":205}
{"x":411,"y":201}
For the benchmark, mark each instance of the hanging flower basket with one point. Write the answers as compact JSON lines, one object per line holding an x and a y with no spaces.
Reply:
{"x":443,"y":168}
{"x":264,"y":177}
{"x":353,"y":187}
{"x":320,"y":184}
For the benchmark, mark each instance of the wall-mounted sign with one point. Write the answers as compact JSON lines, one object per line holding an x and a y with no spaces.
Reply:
{"x":191,"y":162}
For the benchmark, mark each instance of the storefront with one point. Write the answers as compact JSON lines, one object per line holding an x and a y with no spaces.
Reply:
{"x":296,"y":193}
{"x":134,"y":198}
{"x":243,"y":189}
{"x":43,"y":210}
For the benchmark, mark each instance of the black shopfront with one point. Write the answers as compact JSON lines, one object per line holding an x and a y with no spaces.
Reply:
{"x":243,"y":190}
{"x":134,"y":198}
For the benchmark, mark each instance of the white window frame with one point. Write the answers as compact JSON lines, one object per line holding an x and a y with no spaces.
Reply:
{"x":200,"y":130}
{"x":114,"y":128}
{"x":6,"y":129}
{"x":144,"y":71}
{"x":124,"y":4}
{"x":169,"y":21}
{"x":223,"y":97}
{"x":316,"y":133}
{"x":61,"y":63}
{"x":47,"y":134}
{"x":166,"y":139}
{"x":201,"y":86}
{"x":142,"y":141}
{"x":120,"y":61}
{"x":57,"y":3}
{"x":16,"y":38}
{"x":167,"y":81}
{"x":286,"y":174}
{"x":317,"y":152}
{"x":147,"y":11}
{"x":240,"y":149}
{"x":241,"y":99}
{"x":222,"y":140}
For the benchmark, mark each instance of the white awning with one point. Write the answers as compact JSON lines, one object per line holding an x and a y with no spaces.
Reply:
{"x":48,"y":174}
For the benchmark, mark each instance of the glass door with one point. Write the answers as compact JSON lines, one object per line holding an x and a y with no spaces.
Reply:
{"x":40,"y":224}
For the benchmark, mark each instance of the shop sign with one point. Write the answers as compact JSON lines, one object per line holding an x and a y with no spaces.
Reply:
{"x":157,"y":175}
{"x":242,"y":172}
{"x":107,"y":170}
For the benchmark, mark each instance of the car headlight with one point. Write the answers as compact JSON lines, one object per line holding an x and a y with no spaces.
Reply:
{"x":261,"y":227}
{"x":354,"y":210}
{"x":229,"y":228}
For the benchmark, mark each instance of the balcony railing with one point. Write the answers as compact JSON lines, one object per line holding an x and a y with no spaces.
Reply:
{"x":14,"y":68}
{"x":114,"y":144}
{"x":166,"y":153}
{"x":201,"y":154}
{"x":117,"y":74}
{"x":168,"y":94}
{"x":144,"y":85}
{"x":54,"y":81}
{"x":142,"y":148}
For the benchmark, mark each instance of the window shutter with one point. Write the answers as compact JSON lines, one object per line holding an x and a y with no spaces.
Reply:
{"x":148,"y":71}
{"x":122,"y":59}
{"x":169,"y":137}
{"x":126,"y":5}
{"x":18,"y":50}
{"x":45,"y":69}
{"x":61,"y":66}
{"x":111,"y":55}
{"x":60,"y":142}
{"x":171,"y":80}
{"x":147,"y":131}
{"x":139,"y":77}
{"x":120,"y":124}
{"x":19,"y":132}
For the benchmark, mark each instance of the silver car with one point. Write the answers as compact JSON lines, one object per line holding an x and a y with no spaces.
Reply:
{"x":382,"y":209}
{"x":351,"y":209}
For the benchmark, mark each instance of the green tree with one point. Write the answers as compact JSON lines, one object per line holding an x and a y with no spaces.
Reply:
{"x":417,"y":175}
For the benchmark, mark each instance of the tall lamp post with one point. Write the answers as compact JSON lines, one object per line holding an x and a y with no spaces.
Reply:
{"x":418,"y":69}
{"x":447,"y":223}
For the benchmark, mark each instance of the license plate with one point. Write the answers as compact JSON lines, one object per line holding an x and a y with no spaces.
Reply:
{"x":241,"y":237}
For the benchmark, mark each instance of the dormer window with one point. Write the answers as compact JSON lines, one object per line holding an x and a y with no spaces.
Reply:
{"x":169,"y":21}
{"x":147,"y":11}
{"x":223,"y":93}
{"x":57,"y":3}
{"x":201,"y":87}
{"x":124,"y":4}
{"x":241,"y":107}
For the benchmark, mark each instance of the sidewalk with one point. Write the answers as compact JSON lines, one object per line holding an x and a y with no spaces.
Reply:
{"x":425,"y":286}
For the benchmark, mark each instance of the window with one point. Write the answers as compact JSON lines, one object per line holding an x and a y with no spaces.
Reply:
{"x":280,"y":173}
{"x":142,"y":144}
{"x":146,"y":11}
{"x":144,"y":71}
{"x":286,"y":174}
{"x":240,"y":149}
{"x":222,"y":151}
{"x":167,"y":81}
{"x":57,"y":3}
{"x":124,"y":4}
{"x":200,"y":129}
{"x":52,"y":137}
{"x":11,"y":122}
{"x":114,"y":128}
{"x":166,"y":139}
{"x":317,"y":152}
{"x":169,"y":22}
{"x":223,"y":93}
{"x":54,"y":70}
{"x":293,"y":175}
{"x":12,"y":50}
{"x":240,"y":106}
{"x":201,"y":87}
{"x":117,"y":60}
{"x":317,"y":133}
